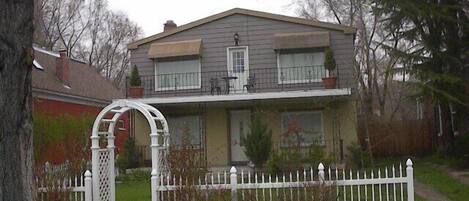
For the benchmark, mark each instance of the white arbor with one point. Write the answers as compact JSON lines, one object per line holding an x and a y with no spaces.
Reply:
{"x":102,"y":146}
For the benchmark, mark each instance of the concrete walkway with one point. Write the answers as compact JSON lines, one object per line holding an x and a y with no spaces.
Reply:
{"x":428,"y":193}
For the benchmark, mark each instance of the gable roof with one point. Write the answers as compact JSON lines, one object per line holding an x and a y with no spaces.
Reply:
{"x":84,"y":81}
{"x":296,"y":20}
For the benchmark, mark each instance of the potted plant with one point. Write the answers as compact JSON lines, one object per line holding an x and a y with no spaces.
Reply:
{"x":135,"y":89}
{"x":329,"y":65}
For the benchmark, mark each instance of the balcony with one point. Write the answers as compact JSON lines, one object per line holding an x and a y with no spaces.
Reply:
{"x":223,"y":83}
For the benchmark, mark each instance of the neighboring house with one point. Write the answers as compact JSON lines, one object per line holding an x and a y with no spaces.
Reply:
{"x":65,"y":86}
{"x":209,"y":78}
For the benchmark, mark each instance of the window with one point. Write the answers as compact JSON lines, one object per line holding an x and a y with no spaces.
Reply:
{"x":301,"y":67}
{"x":186,"y":127}
{"x":180,"y":74}
{"x":238,"y":60}
{"x":121,"y":125}
{"x":305,"y":128}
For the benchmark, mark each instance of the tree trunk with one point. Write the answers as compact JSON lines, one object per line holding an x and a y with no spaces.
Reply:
{"x":447,"y":131}
{"x":16,"y":136}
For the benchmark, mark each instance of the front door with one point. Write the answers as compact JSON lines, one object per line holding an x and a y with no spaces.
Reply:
{"x":238,"y":68}
{"x":240,"y":121}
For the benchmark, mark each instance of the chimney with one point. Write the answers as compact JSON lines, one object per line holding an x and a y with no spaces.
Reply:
{"x":62,"y":68}
{"x":169,"y":25}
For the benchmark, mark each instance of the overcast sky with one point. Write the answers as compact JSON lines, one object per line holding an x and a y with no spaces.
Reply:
{"x":152,"y":14}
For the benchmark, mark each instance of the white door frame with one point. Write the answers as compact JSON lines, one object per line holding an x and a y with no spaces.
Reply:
{"x":243,"y":76}
{"x":237,"y":154}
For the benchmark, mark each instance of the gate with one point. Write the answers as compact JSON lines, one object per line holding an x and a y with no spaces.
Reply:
{"x":102,"y":146}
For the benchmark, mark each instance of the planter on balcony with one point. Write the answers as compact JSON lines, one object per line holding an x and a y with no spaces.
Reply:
{"x":329,"y":82}
{"x":136,"y":92}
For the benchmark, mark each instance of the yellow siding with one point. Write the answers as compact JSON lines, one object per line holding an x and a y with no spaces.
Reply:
{"x":342,"y":113}
{"x":217,"y":136}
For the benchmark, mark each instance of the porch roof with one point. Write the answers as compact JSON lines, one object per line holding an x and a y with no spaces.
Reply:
{"x":248,"y":96}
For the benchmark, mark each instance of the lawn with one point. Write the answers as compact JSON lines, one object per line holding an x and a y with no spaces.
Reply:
{"x":133,"y":191}
{"x":443,"y":183}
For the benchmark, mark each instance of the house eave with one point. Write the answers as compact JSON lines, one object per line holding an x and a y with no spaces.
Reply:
{"x":248,"y":97}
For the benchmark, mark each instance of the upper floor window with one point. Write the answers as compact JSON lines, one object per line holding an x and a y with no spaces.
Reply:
{"x":177,"y":74}
{"x":300,"y":67}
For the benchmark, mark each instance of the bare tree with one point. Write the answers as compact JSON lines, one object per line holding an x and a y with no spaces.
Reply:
{"x":90,"y":32}
{"x":16,"y":135}
{"x":374,"y":67}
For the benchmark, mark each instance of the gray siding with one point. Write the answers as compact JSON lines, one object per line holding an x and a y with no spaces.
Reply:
{"x":256,"y":33}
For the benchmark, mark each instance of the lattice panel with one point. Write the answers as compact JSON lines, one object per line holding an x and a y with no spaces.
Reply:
{"x":104,"y":177}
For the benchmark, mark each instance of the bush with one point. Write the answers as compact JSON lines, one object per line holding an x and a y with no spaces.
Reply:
{"x":461,"y":150}
{"x":291,"y":160}
{"x":130,"y":157}
{"x":135,"y":77}
{"x":357,"y":157}
{"x":258,"y":143}
{"x":329,"y":60}
{"x":62,"y":138}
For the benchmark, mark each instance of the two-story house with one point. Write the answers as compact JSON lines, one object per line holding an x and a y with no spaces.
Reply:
{"x":211,"y":76}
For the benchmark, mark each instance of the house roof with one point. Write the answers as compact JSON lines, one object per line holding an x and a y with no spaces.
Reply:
{"x":296,"y":20}
{"x":84,"y":81}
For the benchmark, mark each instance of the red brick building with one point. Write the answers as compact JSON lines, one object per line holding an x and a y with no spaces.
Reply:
{"x":65,"y":86}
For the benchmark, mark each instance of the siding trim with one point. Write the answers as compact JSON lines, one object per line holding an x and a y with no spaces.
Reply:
{"x":244,"y":97}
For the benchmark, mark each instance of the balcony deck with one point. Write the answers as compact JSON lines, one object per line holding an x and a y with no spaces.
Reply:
{"x":254,"y":84}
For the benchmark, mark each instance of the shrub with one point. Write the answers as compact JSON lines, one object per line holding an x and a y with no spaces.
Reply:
{"x":135,"y":77}
{"x":258,"y":142}
{"x":329,"y":60}
{"x":357,"y":157}
{"x":461,"y":150}
{"x":62,"y":138}
{"x":130,"y":157}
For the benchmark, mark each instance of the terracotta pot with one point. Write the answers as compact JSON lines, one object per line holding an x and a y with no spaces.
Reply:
{"x":329,"y":82}
{"x":136,"y":92}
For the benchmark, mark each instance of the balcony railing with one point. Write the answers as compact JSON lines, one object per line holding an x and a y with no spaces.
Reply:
{"x":235,"y":82}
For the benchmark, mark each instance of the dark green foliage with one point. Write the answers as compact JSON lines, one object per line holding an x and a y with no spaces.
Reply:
{"x":461,"y":145}
{"x":438,"y":32}
{"x":70,"y":131}
{"x":293,"y":159}
{"x":131,"y":153}
{"x":258,"y":143}
{"x":135,"y":78}
{"x":357,"y":157}
{"x":329,"y":60}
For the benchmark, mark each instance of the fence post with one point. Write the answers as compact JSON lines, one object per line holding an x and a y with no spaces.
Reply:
{"x":321,"y":173}
{"x":410,"y":180}
{"x":88,"y":186}
{"x":234,"y":184}
{"x":154,"y":180}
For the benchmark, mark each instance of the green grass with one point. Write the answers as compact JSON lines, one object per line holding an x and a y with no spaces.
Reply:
{"x":441,"y":182}
{"x":133,"y":191}
{"x":418,"y":198}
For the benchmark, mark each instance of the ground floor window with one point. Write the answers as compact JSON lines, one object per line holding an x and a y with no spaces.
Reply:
{"x":303,"y":128}
{"x":186,"y":128}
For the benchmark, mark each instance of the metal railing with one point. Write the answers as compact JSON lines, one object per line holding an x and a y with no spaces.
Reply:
{"x":235,"y":82}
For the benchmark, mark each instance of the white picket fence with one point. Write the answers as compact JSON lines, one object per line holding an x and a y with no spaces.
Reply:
{"x":78,"y":188}
{"x":390,"y":183}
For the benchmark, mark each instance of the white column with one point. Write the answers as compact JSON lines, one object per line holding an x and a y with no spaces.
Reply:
{"x":154,"y":165}
{"x":95,"y":165}
{"x":410,"y":180}
{"x":88,"y":188}
{"x":234,"y":184}
{"x":154,"y":180}
{"x":112,"y":173}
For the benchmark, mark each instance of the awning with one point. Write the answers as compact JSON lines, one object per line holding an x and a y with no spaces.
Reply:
{"x":174,"y":49}
{"x":301,"y":40}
